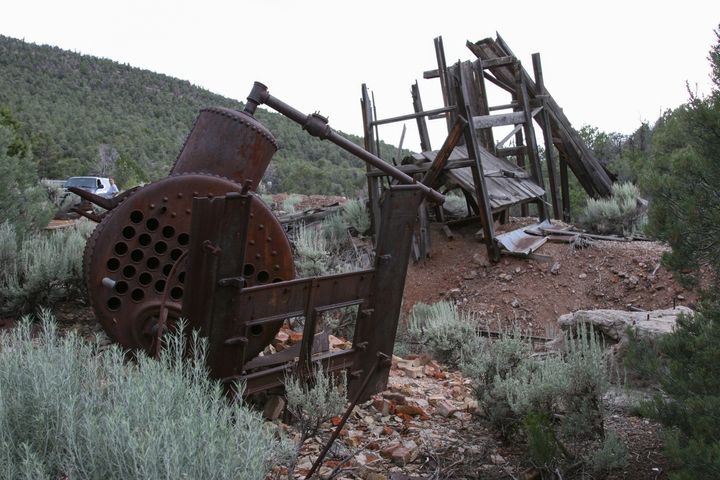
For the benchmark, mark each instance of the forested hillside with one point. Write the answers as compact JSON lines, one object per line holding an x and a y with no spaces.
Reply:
{"x":83,"y":114}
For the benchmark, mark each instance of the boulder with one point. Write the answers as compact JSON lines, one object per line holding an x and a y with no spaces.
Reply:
{"x":614,"y":324}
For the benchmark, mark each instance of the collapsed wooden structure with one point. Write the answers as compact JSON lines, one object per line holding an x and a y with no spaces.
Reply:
{"x":494,"y":175}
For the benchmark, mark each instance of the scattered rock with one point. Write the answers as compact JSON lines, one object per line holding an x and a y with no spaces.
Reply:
{"x":555,"y":269}
{"x":481,"y":260}
{"x":445,"y":408}
{"x":384,"y":406}
{"x":582,"y":276}
{"x":497,"y":459}
{"x":412,"y":410}
{"x":412,"y":372}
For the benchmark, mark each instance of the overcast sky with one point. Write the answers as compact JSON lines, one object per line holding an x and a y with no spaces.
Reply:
{"x":611,"y":64}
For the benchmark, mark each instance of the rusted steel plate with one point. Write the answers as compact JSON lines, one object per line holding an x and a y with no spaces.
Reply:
{"x":137,"y":244}
{"x":228,"y":143}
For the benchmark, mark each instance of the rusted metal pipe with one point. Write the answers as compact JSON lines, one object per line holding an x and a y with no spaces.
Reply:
{"x":317,"y":126}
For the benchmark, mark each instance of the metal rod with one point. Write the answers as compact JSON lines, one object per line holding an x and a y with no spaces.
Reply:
{"x":380,"y":357}
{"x":317,"y":126}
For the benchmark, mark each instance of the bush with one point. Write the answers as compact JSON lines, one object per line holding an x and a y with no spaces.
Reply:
{"x":356,"y":215}
{"x":315,"y":400}
{"x":46,"y":268}
{"x":290,"y":203}
{"x":68,"y":411}
{"x":623,"y":213}
{"x":684,"y":364}
{"x":441,"y":329}
{"x":550,"y":401}
{"x":455,"y":205}
{"x":335,"y":230}
{"x":312,"y":251}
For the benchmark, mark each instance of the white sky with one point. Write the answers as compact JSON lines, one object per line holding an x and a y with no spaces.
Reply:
{"x":611,"y":64}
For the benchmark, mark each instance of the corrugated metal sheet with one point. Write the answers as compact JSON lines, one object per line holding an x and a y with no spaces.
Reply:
{"x":507,"y":183}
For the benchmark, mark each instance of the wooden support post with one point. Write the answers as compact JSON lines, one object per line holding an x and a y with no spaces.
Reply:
{"x":520,"y":157}
{"x":532,"y":151}
{"x":547,"y":135}
{"x":421,"y":122}
{"x":471,"y":141}
{"x":565,"y":189}
{"x":371,"y":146}
{"x":444,"y":80}
{"x":483,"y":106}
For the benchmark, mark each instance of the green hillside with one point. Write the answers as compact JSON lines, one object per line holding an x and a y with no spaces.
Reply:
{"x":83,"y":114}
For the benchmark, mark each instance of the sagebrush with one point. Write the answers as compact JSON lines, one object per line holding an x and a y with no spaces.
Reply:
{"x":623,"y":213}
{"x":553,"y":402}
{"x":70,"y":411}
{"x":44,"y":268}
{"x":441,"y":329}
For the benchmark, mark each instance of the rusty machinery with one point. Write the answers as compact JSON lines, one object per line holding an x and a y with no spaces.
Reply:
{"x":200,"y":244}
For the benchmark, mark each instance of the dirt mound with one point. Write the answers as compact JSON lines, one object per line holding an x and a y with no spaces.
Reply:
{"x":606,"y":274}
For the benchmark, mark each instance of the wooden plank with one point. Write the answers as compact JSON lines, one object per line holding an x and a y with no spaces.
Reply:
{"x":515,"y":130}
{"x":421,"y":123}
{"x":471,"y":141}
{"x":520,"y":157}
{"x":498,"y":62}
{"x":532,"y":151}
{"x":503,"y":107}
{"x":431,"y":74}
{"x":444,"y":80}
{"x":547,"y":136}
{"x":411,"y":116}
{"x":412,"y":169}
{"x":370,"y":146}
{"x":497,"y":82}
{"x":498,"y":120}
{"x":518,"y":149}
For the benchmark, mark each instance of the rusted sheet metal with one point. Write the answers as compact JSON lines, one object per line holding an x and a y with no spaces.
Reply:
{"x":228,"y":143}
{"x":137,"y":245}
{"x":377,"y":324}
{"x":507,"y":183}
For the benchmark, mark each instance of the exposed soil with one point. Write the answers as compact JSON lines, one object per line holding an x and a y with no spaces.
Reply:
{"x":606,"y":274}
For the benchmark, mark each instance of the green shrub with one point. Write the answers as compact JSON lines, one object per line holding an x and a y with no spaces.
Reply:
{"x":312,"y":253}
{"x":612,"y":454}
{"x":290,"y":203}
{"x":335,"y":230}
{"x":357,"y":216}
{"x":548,"y":401}
{"x":685,"y":365}
{"x":455,"y":204}
{"x":441,"y":329}
{"x":46,"y":268}
{"x":623,"y":213}
{"x":314,"y":400}
{"x":69,"y":411}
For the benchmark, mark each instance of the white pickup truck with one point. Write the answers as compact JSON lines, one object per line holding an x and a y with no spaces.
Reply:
{"x":97,"y":185}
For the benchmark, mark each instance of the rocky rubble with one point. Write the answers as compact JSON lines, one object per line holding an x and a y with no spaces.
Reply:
{"x":422,"y":423}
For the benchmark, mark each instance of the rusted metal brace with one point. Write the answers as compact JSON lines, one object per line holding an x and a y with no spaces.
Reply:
{"x":381,"y":359}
